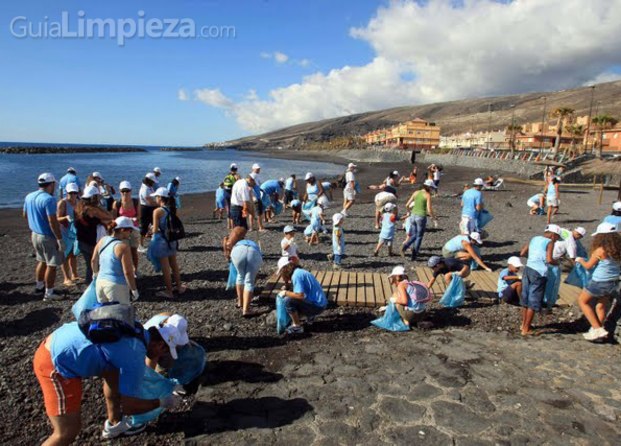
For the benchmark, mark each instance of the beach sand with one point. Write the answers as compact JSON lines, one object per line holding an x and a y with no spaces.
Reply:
{"x":469,"y":379}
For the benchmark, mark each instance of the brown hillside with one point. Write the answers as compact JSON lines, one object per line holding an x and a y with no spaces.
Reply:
{"x":453,"y":117}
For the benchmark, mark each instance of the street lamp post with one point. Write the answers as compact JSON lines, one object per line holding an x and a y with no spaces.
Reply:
{"x":489,"y":125}
{"x":543,"y":122}
{"x":512,"y":127}
{"x":588,"y":130}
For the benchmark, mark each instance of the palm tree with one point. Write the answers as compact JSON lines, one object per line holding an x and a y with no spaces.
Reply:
{"x":513,"y":129}
{"x":561,"y":114}
{"x":576,"y":131}
{"x":601,"y":123}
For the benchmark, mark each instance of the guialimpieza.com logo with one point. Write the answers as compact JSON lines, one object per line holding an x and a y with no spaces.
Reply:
{"x":79,"y":26}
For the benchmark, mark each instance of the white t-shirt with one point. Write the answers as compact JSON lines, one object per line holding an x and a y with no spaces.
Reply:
{"x":289,"y":248}
{"x":436,"y":175}
{"x":349,"y":178}
{"x":257,"y":179}
{"x":145,"y":194}
{"x":240,"y":193}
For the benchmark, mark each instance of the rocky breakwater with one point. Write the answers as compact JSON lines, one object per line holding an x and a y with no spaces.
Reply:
{"x":182,"y":149}
{"x":36,"y":150}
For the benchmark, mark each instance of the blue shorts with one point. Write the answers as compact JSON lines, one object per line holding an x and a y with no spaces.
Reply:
{"x":602,"y":289}
{"x":236,"y":216}
{"x":302,"y":307}
{"x":533,"y":289}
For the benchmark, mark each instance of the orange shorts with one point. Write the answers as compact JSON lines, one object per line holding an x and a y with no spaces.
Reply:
{"x":61,"y":395}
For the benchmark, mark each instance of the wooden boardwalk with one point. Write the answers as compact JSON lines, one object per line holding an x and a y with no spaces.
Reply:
{"x":364,"y":289}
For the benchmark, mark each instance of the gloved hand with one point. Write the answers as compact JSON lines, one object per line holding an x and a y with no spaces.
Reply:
{"x":170,"y":401}
{"x":135,"y":295}
{"x":281,"y":294}
{"x":61,"y":245}
{"x":489,"y":270}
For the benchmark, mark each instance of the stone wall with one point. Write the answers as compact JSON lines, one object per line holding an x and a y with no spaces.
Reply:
{"x":375,"y":155}
{"x":485,"y":164}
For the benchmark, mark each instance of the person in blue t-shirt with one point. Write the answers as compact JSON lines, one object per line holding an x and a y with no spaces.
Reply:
{"x":222,"y":204}
{"x":70,"y":177}
{"x":273,"y":191}
{"x":47,"y":240}
{"x":307,"y":297}
{"x":510,"y":281}
{"x":615,"y":216}
{"x":471,"y":206}
{"x":66,"y":357}
{"x":291,"y":189}
{"x":540,"y":251}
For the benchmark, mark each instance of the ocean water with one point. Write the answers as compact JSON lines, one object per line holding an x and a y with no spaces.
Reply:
{"x":199,"y":171}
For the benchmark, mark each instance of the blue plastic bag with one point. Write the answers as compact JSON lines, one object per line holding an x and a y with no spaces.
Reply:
{"x":278,"y":207}
{"x":282,"y":317}
{"x":580,"y":251}
{"x":552,"y":286}
{"x":87,"y":301}
{"x":484,"y":218}
{"x":189,"y":364}
{"x":579,"y":276}
{"x":153,"y":386}
{"x":391,"y":320}
{"x":306,"y":208}
{"x":230,"y":283}
{"x":455,"y":293}
{"x":473,"y":264}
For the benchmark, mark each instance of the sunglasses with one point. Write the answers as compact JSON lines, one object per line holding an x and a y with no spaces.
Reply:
{"x":123,"y":191}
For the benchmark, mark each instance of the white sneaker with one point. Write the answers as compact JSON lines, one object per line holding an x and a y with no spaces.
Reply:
{"x":595,"y":333}
{"x":123,"y":427}
{"x":344,"y":212}
{"x":53,"y":297}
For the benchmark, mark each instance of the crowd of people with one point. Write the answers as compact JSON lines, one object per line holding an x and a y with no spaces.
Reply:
{"x":110,"y":234}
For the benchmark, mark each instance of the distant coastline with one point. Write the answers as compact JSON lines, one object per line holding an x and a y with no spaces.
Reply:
{"x":38,"y":150}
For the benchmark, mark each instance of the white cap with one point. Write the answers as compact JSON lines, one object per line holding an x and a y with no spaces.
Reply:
{"x":515,"y":261}
{"x":97,"y":175}
{"x":616,"y":206}
{"x":287,"y":229}
{"x":124,"y":223}
{"x":478,"y":182}
{"x":171,"y":336}
{"x":605,"y":228}
{"x":255,"y":166}
{"x":351,"y":166}
{"x":337,"y":218}
{"x":309,"y":175}
{"x":556,"y":229}
{"x":253,"y":175}
{"x":125,"y":185}
{"x":157,"y":170}
{"x":71,"y":170}
{"x":580,"y":230}
{"x":45,"y":178}
{"x":397,"y":271}
{"x":430,"y":183}
{"x":395,"y":173}
{"x":90,"y":192}
{"x":160,"y":192}
{"x":283,"y":261}
{"x":181,"y":324}
{"x":281,"y":180}
{"x":389,"y":206}
{"x":151,"y":176}
{"x":72,"y":187}
{"x":233,"y":166}
{"x":178,"y":179}
{"x":476,"y":237}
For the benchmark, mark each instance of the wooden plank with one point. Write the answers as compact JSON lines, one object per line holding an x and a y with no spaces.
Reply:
{"x":380,"y":299}
{"x":334,"y":285}
{"x":387,"y":287}
{"x":270,"y":285}
{"x":369,"y":291}
{"x":352,"y":291}
{"x":478,"y":291}
{"x":425,"y":274}
{"x":319,"y":275}
{"x":341,"y":297}
{"x":325,"y":282}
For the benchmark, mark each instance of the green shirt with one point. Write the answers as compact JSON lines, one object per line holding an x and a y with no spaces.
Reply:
{"x":419,"y":207}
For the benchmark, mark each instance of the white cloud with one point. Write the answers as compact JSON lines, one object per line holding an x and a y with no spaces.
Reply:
{"x":607,"y":76}
{"x":280,"y":57}
{"x":439,"y":51}
{"x":304,"y":63}
{"x":182,"y":95}
{"x":213,"y":97}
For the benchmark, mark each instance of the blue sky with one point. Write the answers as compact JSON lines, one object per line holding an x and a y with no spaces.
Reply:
{"x":337,"y":57}
{"x":95,"y":91}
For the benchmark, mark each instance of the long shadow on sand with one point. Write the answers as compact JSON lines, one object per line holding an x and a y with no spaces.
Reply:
{"x":446,"y":317}
{"x":19,"y":298}
{"x":243,"y":413}
{"x":200,"y":249}
{"x":580,"y":221}
{"x":491,"y":244}
{"x":34,"y":321}
{"x":226,"y":371}
{"x":220,"y":343}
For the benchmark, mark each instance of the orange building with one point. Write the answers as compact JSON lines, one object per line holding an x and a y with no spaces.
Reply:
{"x":414,"y":134}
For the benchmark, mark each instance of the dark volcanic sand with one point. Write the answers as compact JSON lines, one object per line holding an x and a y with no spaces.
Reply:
{"x":470,"y":379}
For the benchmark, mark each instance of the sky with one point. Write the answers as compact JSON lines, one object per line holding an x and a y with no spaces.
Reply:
{"x":266,"y":64}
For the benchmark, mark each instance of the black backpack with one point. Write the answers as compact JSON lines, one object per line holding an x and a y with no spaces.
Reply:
{"x":174,"y":228}
{"x":341,"y":181}
{"x":109,"y":322}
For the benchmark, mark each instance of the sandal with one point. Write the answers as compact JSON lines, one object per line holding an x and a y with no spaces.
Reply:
{"x":68,"y":283}
{"x":164,"y":295}
{"x":180,"y":289}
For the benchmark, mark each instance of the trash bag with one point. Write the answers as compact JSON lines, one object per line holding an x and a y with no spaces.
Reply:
{"x":581,"y":251}
{"x":278,"y":207}
{"x":177,"y":202}
{"x":265,"y":200}
{"x":230,"y":283}
{"x":189,"y":364}
{"x":282,"y":317}
{"x":552,"y":286}
{"x":484,"y":218}
{"x":391,"y":320}
{"x":306,"y":208}
{"x":455,"y":293}
{"x":153,"y":386}
{"x":87,"y":301}
{"x":579,"y":276}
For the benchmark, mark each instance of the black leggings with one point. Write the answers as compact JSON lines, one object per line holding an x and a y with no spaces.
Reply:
{"x":146,"y":218}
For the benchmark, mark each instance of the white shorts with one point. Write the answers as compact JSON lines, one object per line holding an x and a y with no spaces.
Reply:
{"x":553,"y":202}
{"x":349,"y":195}
{"x":108,"y":291}
{"x":530,"y":204}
